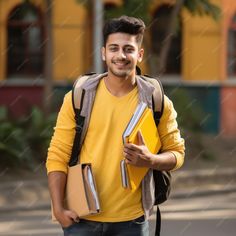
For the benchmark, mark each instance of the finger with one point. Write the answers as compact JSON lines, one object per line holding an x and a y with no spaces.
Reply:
{"x":128,"y":157}
{"x":127,"y":145}
{"x":67,"y":223}
{"x":127,"y":161}
{"x":73,"y":216}
{"x":133,"y":147}
{"x":132,"y":161}
{"x":140,"y":138}
{"x":132,"y":152}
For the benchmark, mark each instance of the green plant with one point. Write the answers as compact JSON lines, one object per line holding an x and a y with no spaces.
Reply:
{"x":190,"y":115}
{"x":13,"y":145}
{"x":38,"y":131}
{"x":24,"y":141}
{"x":189,"y":111}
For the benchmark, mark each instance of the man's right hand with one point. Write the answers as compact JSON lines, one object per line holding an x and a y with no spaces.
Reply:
{"x":66,"y":217}
{"x":57,"y":183}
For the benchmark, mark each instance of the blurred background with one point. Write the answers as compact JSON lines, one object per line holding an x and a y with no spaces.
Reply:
{"x":190,"y":45}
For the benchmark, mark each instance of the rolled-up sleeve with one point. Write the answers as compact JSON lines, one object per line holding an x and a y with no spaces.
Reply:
{"x":60,"y":148}
{"x":170,"y":134}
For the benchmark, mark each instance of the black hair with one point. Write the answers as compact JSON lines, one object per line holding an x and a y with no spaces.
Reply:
{"x":124,"y":24}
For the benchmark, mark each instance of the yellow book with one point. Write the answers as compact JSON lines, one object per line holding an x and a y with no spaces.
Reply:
{"x":142,"y":121}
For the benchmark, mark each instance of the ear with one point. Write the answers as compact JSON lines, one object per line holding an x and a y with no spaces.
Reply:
{"x":140,"y":54}
{"x":103,"y":50}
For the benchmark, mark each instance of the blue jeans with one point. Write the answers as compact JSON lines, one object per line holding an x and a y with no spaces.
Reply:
{"x":137,"y":227}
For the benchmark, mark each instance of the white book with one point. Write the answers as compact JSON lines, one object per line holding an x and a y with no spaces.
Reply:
{"x":92,"y":186}
{"x":135,"y":118}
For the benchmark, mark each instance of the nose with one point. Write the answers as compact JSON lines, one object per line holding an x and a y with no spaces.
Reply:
{"x":122,"y":54}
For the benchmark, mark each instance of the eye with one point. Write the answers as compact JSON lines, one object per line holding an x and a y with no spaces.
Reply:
{"x":112,"y":49}
{"x":129,"y":50}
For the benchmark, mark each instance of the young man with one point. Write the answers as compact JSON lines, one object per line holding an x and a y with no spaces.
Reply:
{"x":111,"y":102}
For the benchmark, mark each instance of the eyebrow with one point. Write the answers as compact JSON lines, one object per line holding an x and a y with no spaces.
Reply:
{"x":116,"y":45}
{"x":112,"y":45}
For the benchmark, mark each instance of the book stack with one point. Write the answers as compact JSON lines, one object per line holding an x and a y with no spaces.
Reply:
{"x":81,"y":194}
{"x":143,"y":121}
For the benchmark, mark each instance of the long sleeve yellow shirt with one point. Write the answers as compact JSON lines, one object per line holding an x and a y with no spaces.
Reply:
{"x":61,"y":144}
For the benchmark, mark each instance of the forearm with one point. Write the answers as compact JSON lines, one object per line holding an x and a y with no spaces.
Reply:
{"x":172,"y":149}
{"x":57,"y":183}
{"x":59,"y":151}
{"x":163,"y":161}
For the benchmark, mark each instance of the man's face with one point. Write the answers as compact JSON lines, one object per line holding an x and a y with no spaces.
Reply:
{"x":121,"y":54}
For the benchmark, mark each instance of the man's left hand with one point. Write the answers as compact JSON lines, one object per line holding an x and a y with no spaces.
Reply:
{"x":138,"y":155}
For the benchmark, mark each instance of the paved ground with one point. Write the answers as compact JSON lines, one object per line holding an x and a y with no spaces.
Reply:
{"x":213,"y":214}
{"x":202,"y":200}
{"x":30,"y":189}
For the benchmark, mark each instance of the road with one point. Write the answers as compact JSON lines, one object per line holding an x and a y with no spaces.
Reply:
{"x":213,"y":215}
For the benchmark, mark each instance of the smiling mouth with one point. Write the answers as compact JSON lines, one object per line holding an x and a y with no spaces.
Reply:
{"x":121,"y":63}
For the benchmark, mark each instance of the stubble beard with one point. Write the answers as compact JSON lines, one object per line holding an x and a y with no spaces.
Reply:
{"x":121,"y":73}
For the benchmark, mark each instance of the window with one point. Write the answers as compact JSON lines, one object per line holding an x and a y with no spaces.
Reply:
{"x":158,"y":35}
{"x":231,"y":64}
{"x":25,"y":42}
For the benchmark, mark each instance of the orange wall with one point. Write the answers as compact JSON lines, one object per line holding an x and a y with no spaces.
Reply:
{"x":228,"y":111}
{"x":229,"y":9}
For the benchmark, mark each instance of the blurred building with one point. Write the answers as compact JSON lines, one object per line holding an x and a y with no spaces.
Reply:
{"x":201,"y":59}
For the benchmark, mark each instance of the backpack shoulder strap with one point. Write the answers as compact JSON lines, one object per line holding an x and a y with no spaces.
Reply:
{"x":161,"y":178}
{"x":157,"y":97}
{"x":77,"y":91}
{"x":77,"y":102}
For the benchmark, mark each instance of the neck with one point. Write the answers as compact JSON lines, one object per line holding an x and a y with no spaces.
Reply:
{"x":119,"y":86}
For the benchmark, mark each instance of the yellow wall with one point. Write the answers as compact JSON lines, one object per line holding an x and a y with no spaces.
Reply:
{"x":5,"y":8}
{"x":204,"y":40}
{"x":205,"y":44}
{"x":201,"y":47}
{"x":71,"y":37}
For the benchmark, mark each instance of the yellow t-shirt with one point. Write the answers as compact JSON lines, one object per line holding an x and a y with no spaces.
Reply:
{"x":103,"y":147}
